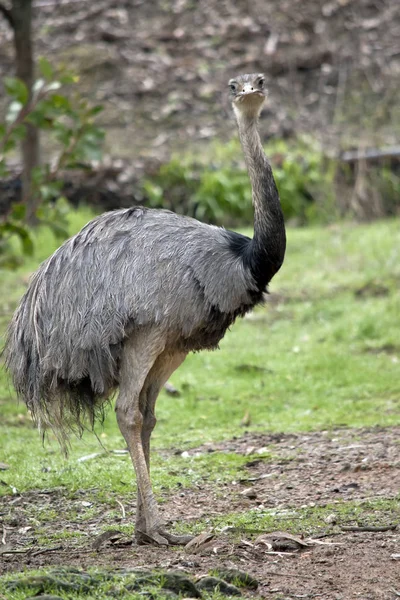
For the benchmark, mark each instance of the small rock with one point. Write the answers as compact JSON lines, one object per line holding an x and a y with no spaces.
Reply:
{"x":331,"y":519}
{"x":249,"y":493}
{"x":212,"y":584}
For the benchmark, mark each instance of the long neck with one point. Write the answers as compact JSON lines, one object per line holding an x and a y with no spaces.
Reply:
{"x":268,"y":246}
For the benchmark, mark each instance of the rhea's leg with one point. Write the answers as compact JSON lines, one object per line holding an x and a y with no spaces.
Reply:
{"x":138,"y":357}
{"x":163,"y":367}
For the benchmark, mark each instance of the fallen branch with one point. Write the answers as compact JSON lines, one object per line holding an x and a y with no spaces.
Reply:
{"x":368,"y":528}
{"x":294,"y":575}
{"x":44,"y":550}
{"x":122,"y":508}
{"x":6,"y":552}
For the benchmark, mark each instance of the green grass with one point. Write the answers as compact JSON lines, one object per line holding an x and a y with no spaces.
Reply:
{"x":97,"y":584}
{"x":323,"y":352}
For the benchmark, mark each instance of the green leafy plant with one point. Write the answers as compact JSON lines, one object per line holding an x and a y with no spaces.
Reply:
{"x":218,"y":190}
{"x":304,"y":176}
{"x":70,"y":120}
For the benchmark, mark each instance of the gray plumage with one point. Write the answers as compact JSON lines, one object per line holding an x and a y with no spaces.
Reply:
{"x":121,"y":304}
{"x":125,"y":270}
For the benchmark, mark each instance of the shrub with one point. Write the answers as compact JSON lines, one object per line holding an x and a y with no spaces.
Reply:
{"x":218,"y":191}
{"x":70,"y":120}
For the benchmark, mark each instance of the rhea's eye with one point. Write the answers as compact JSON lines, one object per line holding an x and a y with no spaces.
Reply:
{"x":233,"y":87}
{"x":261,"y":82}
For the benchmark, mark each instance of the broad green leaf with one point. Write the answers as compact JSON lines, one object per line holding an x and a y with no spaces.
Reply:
{"x":19,"y":132}
{"x":3,"y":168}
{"x":95,"y":110}
{"x":17,"y":89}
{"x":60,"y":102}
{"x":68,"y":78}
{"x":50,"y":190}
{"x":10,"y":227}
{"x":8,"y":146}
{"x":37,"y":174}
{"x":38,"y":119}
{"x":18,"y":212}
{"x":45,"y":68}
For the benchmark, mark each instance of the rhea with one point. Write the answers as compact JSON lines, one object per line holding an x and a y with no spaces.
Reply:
{"x":122,"y":303}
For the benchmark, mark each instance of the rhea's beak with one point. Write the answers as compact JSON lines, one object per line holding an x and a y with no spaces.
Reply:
{"x":248,"y":90}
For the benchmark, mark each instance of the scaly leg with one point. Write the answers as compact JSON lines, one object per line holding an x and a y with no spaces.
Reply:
{"x":163,"y":367}
{"x":139,"y":355}
{"x":144,"y":369}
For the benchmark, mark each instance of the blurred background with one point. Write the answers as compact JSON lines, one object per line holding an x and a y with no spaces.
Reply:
{"x":154,"y":74}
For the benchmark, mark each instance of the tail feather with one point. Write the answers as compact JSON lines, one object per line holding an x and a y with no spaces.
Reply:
{"x":65,"y":390}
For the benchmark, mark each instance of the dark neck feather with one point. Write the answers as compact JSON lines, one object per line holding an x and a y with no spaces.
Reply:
{"x":267,"y":248}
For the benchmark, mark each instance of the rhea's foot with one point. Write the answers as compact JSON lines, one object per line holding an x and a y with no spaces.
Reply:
{"x":160,"y":537}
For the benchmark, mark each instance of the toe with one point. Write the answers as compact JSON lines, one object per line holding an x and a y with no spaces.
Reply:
{"x":179,"y":540}
{"x":152,"y":537}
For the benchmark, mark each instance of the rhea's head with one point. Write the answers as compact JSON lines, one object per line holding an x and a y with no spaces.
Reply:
{"x":248,"y":94}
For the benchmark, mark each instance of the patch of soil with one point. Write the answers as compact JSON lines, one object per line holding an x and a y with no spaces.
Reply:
{"x":306,"y":470}
{"x":321,"y":467}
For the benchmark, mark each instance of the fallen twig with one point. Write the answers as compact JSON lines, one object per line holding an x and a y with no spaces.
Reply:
{"x":366,"y":528}
{"x":44,"y":550}
{"x":294,"y":575}
{"x":16,"y":552}
{"x":282,"y":554}
{"x":122,"y":508}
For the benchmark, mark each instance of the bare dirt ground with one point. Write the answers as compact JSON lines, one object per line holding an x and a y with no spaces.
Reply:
{"x":307,"y":471}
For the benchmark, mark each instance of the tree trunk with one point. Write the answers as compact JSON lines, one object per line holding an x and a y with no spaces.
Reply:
{"x":22,"y":23}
